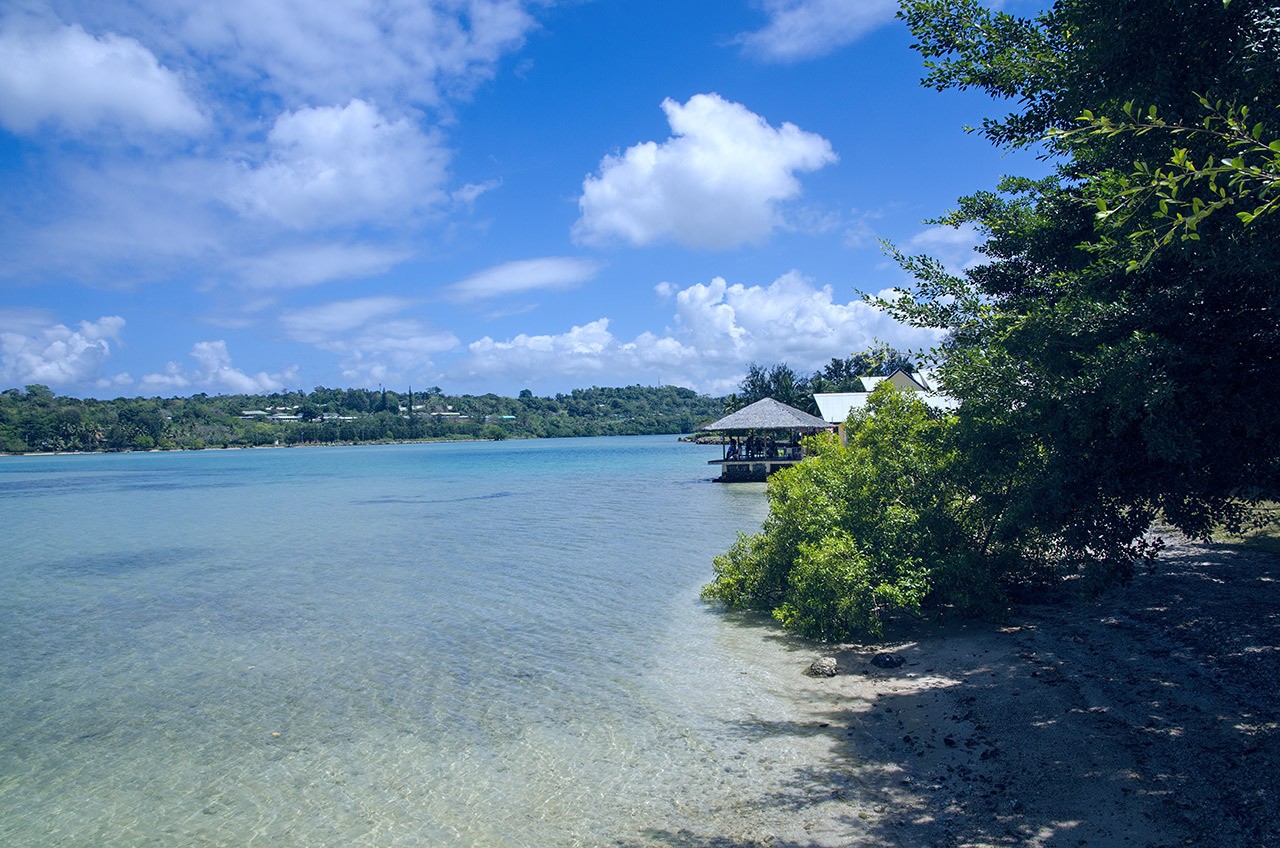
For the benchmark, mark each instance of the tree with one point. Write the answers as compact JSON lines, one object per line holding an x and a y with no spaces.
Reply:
{"x":842,"y":375}
{"x":779,"y":382}
{"x":1116,"y":355}
{"x":1124,"y":330}
{"x":863,"y":529}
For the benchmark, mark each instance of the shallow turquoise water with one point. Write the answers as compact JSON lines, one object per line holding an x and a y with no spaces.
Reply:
{"x":451,"y":644}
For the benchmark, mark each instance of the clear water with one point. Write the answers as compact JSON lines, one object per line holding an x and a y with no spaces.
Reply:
{"x":451,"y":644}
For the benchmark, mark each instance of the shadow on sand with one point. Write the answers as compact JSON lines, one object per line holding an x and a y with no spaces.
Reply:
{"x":1149,"y":717}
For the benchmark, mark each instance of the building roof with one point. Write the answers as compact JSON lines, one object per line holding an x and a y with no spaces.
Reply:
{"x":769,"y":414}
{"x":836,"y":406}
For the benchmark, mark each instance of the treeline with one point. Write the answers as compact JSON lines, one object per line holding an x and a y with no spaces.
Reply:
{"x":35,"y":419}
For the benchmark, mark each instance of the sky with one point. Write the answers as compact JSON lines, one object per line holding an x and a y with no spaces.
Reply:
{"x":479,"y":195}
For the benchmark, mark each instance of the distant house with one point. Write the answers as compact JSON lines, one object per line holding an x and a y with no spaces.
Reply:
{"x":835,"y":407}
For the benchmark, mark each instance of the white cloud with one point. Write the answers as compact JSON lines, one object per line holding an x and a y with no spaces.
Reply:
{"x":118,"y":224}
{"x":583,"y":352}
{"x":955,"y":247}
{"x":716,"y":183}
{"x":67,"y":77}
{"x":309,"y":52}
{"x":215,"y":371}
{"x":790,"y":320}
{"x":355,"y":94}
{"x":718,"y":329}
{"x":54,"y":355}
{"x":309,"y":265}
{"x":331,"y":166}
{"x":471,"y":192}
{"x":806,"y":29}
{"x":325,"y":323}
{"x":376,"y":344}
{"x":398,"y":351}
{"x":552,"y":273}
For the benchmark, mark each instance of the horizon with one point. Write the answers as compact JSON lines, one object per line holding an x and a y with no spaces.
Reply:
{"x":532,"y":194}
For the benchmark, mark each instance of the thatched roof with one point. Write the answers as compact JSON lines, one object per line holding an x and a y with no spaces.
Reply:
{"x":769,"y":414}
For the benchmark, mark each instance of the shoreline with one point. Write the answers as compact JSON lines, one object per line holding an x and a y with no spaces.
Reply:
{"x":680,"y":437}
{"x":1147,"y":717}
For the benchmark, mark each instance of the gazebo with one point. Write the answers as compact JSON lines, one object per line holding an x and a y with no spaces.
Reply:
{"x":764,"y":437}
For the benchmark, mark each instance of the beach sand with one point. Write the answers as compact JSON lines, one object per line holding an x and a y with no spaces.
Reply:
{"x":1145,"y":718}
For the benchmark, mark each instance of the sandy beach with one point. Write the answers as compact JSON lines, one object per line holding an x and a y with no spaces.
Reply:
{"x":1148,"y":717}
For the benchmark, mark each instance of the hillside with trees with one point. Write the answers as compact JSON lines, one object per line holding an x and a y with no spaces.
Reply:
{"x":35,"y":419}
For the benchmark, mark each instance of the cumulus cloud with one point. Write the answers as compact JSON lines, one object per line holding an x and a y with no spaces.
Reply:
{"x":551,"y":273}
{"x":333,"y":165}
{"x":806,"y":29}
{"x":54,"y":355}
{"x":376,"y":342}
{"x":66,"y":77}
{"x":310,"y":52}
{"x":718,"y":182}
{"x":346,"y":88}
{"x":214,"y":370}
{"x":585,"y":352}
{"x":718,"y":328}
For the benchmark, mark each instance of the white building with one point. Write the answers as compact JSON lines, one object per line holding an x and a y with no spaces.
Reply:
{"x":836,"y":406}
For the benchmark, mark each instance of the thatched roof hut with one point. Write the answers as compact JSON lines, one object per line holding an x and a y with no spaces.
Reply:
{"x":759,"y":455}
{"x":768,"y":414}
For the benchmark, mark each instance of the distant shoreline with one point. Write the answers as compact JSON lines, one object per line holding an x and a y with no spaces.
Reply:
{"x":680,"y":437}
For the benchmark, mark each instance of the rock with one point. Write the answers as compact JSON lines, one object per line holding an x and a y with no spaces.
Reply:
{"x":822,"y":667}
{"x":887,"y":660}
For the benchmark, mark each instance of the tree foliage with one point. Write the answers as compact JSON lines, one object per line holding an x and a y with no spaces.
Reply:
{"x":858,"y":530}
{"x":1128,"y":331}
{"x":1117,"y":354}
{"x":782,"y":383}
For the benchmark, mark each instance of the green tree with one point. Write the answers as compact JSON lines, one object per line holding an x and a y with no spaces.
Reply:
{"x":863,"y":529}
{"x":843,"y":375}
{"x":780,"y":382}
{"x":1115,"y":356}
{"x":1120,"y":327}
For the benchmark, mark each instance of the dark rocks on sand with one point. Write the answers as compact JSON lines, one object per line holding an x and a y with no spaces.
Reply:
{"x":887,"y":660}
{"x":822,"y":667}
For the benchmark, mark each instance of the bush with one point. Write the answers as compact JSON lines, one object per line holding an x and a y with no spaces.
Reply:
{"x":860,"y":530}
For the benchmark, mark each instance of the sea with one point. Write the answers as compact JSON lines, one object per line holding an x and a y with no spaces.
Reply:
{"x":449,"y":644}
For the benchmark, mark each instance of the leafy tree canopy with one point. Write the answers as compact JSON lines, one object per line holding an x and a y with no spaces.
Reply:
{"x":1116,"y":356}
{"x":1137,"y":350}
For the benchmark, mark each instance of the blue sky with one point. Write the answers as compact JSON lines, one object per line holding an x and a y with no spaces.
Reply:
{"x":481,"y":195}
